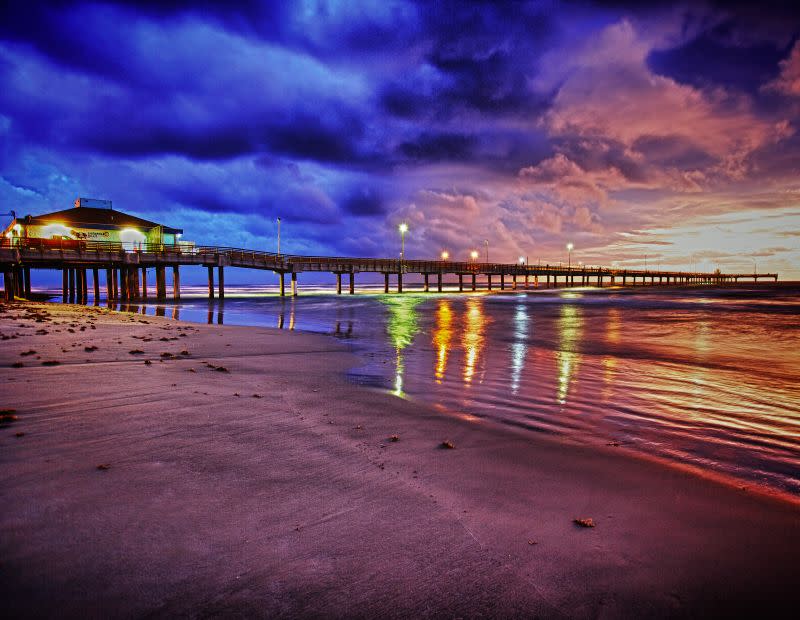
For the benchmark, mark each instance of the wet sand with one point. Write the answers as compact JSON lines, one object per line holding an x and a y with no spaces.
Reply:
{"x":272,"y":487}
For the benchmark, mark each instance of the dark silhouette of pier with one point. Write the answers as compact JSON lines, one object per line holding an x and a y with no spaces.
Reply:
{"x":127,"y":268}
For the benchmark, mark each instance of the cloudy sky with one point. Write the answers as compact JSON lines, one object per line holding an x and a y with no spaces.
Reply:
{"x":671,"y":132}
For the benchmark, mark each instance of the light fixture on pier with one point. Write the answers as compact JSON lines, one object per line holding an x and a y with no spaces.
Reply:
{"x":474,"y":254}
{"x":403,"y":228}
{"x":445,"y":255}
{"x":521,"y":260}
{"x":570,"y":246}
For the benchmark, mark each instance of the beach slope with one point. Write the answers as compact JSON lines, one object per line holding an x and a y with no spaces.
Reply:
{"x":157,"y":468}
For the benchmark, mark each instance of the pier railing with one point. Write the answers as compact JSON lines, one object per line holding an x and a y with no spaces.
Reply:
{"x":51,"y":252}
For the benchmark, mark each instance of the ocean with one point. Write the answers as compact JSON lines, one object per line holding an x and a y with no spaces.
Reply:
{"x":704,"y":377}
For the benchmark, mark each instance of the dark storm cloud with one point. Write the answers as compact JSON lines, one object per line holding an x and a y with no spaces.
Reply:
{"x":529,"y":115}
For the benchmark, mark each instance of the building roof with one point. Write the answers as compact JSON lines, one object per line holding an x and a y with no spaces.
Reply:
{"x":88,"y":217}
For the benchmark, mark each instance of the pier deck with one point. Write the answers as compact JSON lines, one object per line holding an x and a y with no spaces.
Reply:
{"x":124,"y":265}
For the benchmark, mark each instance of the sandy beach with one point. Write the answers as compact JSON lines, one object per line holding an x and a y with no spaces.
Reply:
{"x":152,"y":467}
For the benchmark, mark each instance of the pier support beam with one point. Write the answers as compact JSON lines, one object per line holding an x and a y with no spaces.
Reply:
{"x":71,"y":284}
{"x":488,"y":281}
{"x":221,"y":282}
{"x":134,"y":271}
{"x":176,"y":282}
{"x":294,"y":283}
{"x":439,"y":281}
{"x":527,"y":277}
{"x":460,"y":282}
{"x":352,"y":283}
{"x":109,"y":283}
{"x":211,"y":283}
{"x":548,"y":280}
{"x":144,"y":282}
{"x":386,"y":283}
{"x":502,"y":281}
{"x":400,"y":282}
{"x":338,"y":283}
{"x":64,"y":284}
{"x":425,"y":280}
{"x":161,"y":283}
{"x":96,"y":284}
{"x":7,"y":288}
{"x":26,"y":271}
{"x":474,"y":281}
{"x":282,"y":283}
{"x":514,"y":282}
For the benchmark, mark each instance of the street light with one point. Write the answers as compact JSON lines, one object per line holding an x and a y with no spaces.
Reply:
{"x":521,"y":260}
{"x":279,"y":236}
{"x":486,"y":242}
{"x":445,"y":255}
{"x":403,"y":228}
{"x":474,"y":255}
{"x":569,"y":255}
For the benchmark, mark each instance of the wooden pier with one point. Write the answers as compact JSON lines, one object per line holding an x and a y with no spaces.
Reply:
{"x":126,"y":270}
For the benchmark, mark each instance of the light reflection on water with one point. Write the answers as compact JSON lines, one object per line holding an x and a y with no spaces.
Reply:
{"x":710,"y":384}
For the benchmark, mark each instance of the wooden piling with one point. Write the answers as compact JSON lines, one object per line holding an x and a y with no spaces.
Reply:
{"x":338,"y":283}
{"x":460,"y":281}
{"x":474,"y":281}
{"x":352,"y":283}
{"x":221,"y":283}
{"x":489,"y":281}
{"x":282,"y":284}
{"x":27,"y":275}
{"x":144,"y":282}
{"x":294,"y":284}
{"x":425,"y":278}
{"x":176,"y":282}
{"x":439,"y":281}
{"x":399,"y":282}
{"x":386,"y":283}
{"x":211,"y":283}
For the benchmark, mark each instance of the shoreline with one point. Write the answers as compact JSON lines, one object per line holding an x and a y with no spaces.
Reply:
{"x":325,"y":515}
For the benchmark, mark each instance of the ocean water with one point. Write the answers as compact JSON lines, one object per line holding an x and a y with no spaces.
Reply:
{"x":699,"y":376}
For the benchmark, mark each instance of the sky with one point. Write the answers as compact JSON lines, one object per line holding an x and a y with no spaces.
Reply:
{"x":667,"y":135}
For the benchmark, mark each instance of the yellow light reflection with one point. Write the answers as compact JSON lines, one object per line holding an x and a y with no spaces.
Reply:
{"x":519,"y":348}
{"x":473,"y":339}
{"x":401,"y":328}
{"x":570,"y":327}
{"x":442,"y":335}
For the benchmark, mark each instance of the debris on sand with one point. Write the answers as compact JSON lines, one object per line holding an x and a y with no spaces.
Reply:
{"x":50,"y":363}
{"x":136,"y":352}
{"x":533,"y":542}
{"x":394,"y":438}
{"x":25,"y":353}
{"x":585,"y":522}
{"x":221,"y":369}
{"x":257,"y":396}
{"x":447,"y":445}
{"x":148,"y":363}
{"x":104,"y":467}
{"x":90,"y":349}
{"x":7,"y":416}
{"x":20,"y":434}
{"x":17,"y":365}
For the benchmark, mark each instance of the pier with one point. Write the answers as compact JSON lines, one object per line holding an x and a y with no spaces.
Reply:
{"x":127,"y":270}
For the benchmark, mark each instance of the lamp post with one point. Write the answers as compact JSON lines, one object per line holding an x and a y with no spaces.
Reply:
{"x":486,"y":243}
{"x":474,"y":255}
{"x":445,"y":254}
{"x":569,"y":256}
{"x":279,"y":236}
{"x":403,"y":228}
